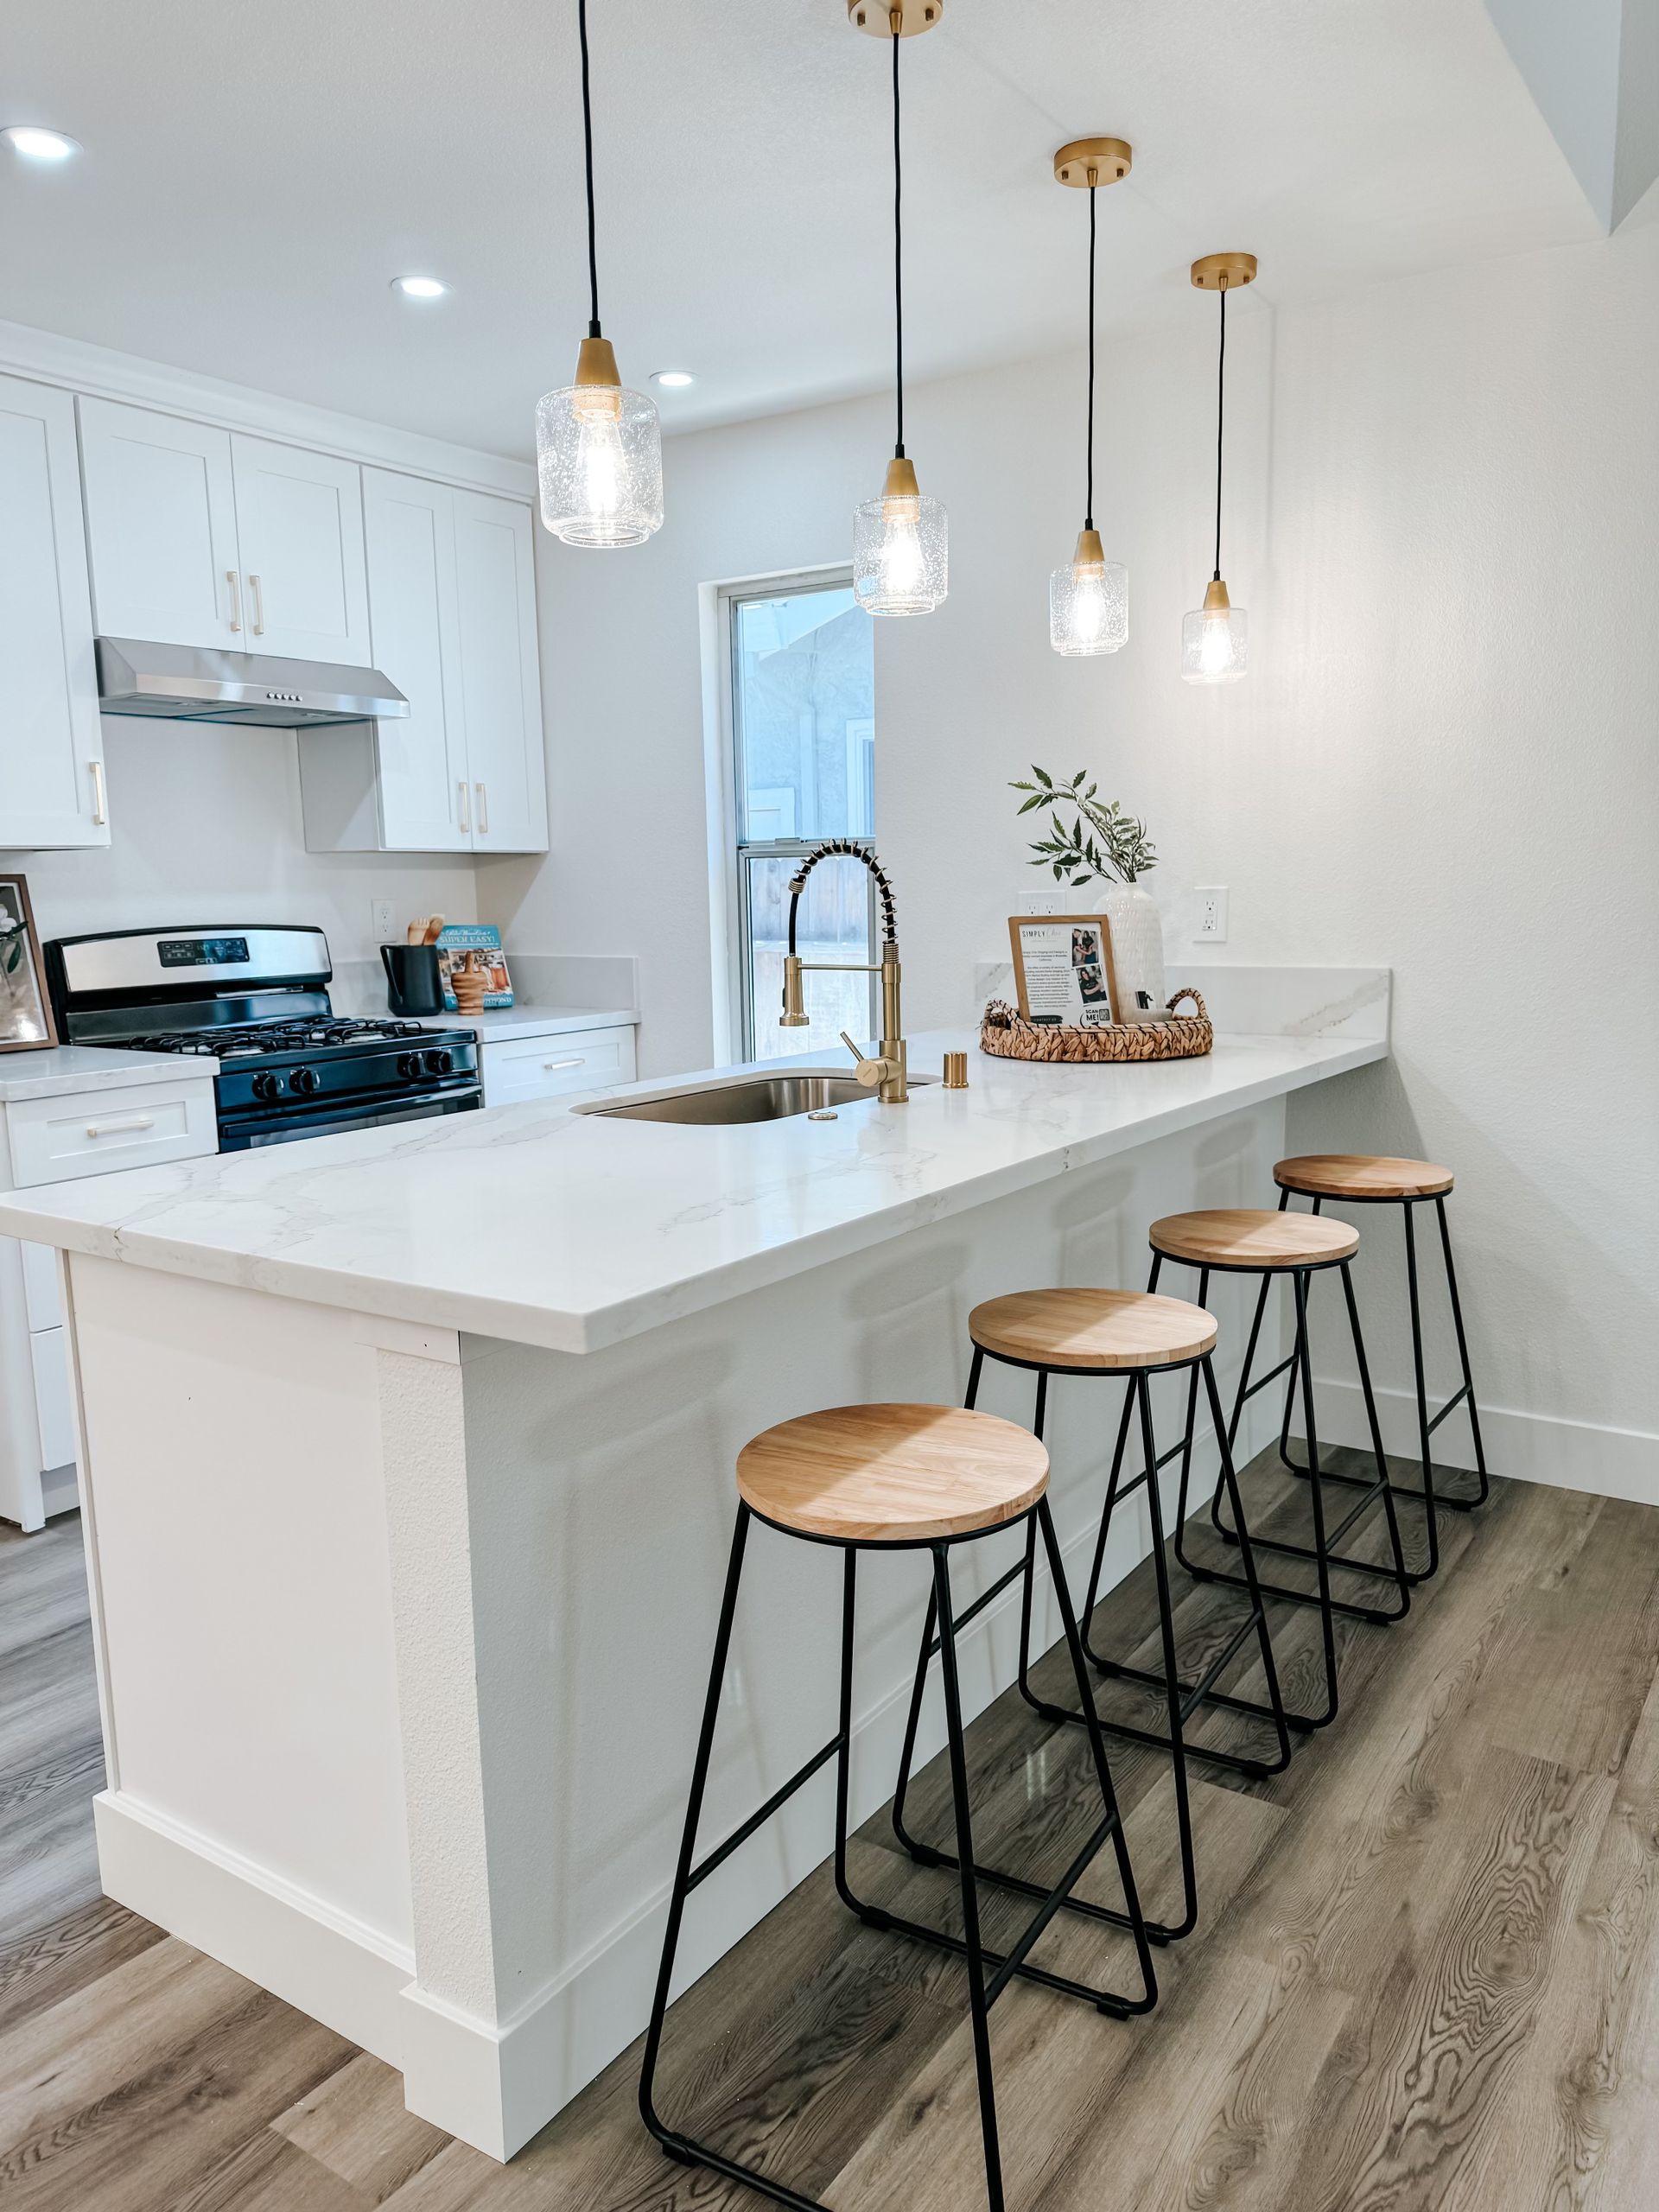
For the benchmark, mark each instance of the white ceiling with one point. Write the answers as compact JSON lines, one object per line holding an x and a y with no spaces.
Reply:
{"x":256,"y":171}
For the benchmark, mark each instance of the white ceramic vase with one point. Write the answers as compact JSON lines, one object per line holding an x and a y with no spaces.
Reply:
{"x":1137,"y":942}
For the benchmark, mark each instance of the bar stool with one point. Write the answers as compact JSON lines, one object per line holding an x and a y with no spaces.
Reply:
{"x":1242,"y":1241}
{"x":1129,"y":1335}
{"x":886,"y":1478}
{"x":1368,"y":1179}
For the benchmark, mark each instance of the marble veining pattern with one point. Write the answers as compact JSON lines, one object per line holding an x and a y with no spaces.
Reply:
{"x":539,"y":1226}
{"x":62,"y":1070}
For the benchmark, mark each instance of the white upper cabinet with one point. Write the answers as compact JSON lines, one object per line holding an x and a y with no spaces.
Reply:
{"x":51,"y":747}
{"x":299,"y":526}
{"x":501,"y":674}
{"x":410,"y":530}
{"x":160,"y":527}
{"x":202,"y":536}
{"x":452,"y":619}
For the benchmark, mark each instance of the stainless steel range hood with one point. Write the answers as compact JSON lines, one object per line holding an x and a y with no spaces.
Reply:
{"x":193,"y":684}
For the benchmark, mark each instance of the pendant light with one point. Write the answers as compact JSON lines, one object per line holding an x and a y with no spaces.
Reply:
{"x":599,"y":449}
{"x":1213,"y":636}
{"x":900,"y":546}
{"x":1088,"y":598}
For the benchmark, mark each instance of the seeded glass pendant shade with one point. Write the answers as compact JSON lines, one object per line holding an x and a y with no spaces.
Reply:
{"x":1215,"y":637}
{"x":900,"y":541}
{"x":599,"y":448}
{"x":1088,"y":598}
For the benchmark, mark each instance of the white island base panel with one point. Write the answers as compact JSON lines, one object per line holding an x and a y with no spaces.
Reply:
{"x":403,"y":1632}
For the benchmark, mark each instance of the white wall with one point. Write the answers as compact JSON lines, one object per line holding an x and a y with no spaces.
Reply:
{"x":206,"y":828}
{"x":1440,"y":516}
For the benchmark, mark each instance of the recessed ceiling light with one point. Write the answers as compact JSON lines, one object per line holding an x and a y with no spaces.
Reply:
{"x":419,"y":288}
{"x":672,"y":379}
{"x":36,"y":144}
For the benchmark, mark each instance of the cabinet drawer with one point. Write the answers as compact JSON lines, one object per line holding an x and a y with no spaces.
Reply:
{"x":53,"y":1405}
{"x":141,"y":1125}
{"x":40,"y":1298}
{"x":545,"y":1067}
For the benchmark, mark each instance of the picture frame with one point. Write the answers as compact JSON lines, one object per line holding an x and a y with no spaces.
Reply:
{"x":1063,"y":970}
{"x":26,"y":1022}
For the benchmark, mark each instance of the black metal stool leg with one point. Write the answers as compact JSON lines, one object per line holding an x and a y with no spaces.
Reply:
{"x":1321,"y":1555}
{"x":927,"y":1854}
{"x":1400,"y":1573}
{"x":1135,"y":1916}
{"x":1467,"y":1392}
{"x":1373,"y":1487}
{"x":1189,"y":1919}
{"x":679,"y":2147}
{"x":1427,"y":1423}
{"x":977,"y":2006}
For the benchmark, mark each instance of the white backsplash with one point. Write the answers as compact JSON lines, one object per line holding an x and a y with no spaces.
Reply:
{"x":1250,"y":1001}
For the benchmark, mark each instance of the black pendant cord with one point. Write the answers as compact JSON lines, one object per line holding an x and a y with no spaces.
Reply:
{"x":1089,"y":498}
{"x":1221,"y":404}
{"x":588,"y":141}
{"x":898,"y":259}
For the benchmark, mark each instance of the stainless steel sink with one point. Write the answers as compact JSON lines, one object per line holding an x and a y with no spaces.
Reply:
{"x":744,"y":1098}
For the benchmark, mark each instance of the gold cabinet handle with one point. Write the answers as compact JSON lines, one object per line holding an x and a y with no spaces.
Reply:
{"x":257,"y":595}
{"x":483,"y":808}
{"x":236,"y":599}
{"x":100,"y":807}
{"x":466,"y":818}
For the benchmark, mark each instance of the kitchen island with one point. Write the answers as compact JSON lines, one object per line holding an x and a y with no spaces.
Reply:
{"x":407,"y":1462}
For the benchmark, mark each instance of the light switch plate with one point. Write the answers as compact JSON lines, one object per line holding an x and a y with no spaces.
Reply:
{"x":1211,"y":927}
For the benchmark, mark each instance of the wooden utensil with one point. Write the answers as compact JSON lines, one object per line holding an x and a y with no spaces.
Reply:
{"x":415,"y":933}
{"x":434,"y":929}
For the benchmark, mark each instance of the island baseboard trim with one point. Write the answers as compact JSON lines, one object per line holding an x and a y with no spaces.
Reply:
{"x":1581,"y":1455}
{"x":348,"y":1975}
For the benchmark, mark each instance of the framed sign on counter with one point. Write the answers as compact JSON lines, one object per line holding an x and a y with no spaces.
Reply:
{"x":26,"y":1022}
{"x":1063,"y":970}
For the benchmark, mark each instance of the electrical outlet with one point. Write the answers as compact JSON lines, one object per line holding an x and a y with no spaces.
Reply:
{"x":380,"y":921}
{"x":1212,"y":913}
{"x":1056,"y":901}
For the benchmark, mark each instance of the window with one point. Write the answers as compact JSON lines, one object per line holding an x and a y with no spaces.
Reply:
{"x":803,"y":749}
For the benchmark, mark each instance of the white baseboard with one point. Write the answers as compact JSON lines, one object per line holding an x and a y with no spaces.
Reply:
{"x":301,"y":1949}
{"x":494,"y":2086}
{"x":1530,"y":1447}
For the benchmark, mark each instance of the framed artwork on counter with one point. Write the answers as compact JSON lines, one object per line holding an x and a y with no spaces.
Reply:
{"x":26,"y":1022}
{"x":1063,"y":970}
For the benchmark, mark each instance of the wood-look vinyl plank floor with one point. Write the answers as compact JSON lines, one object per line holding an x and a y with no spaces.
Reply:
{"x":1426,"y":1977}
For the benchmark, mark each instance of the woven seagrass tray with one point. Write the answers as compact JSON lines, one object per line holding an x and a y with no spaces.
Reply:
{"x":1010,"y":1037}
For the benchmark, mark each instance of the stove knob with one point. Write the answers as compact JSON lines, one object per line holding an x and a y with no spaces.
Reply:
{"x":303,"y":1082}
{"x":267,"y":1085}
{"x":410,"y":1066}
{"x":440,"y":1060}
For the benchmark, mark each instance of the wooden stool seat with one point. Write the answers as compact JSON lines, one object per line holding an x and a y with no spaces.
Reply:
{"x":1362,"y":1175}
{"x":1241,"y":1236}
{"x":892,"y":1474}
{"x":1092,"y":1329}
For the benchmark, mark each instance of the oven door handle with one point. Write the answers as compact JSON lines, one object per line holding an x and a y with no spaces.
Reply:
{"x":236,"y":1131}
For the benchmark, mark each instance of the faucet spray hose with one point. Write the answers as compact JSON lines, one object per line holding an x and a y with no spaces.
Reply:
{"x":852,"y":851}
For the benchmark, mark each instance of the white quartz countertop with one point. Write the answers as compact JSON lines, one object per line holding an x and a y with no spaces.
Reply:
{"x":60,"y":1070}
{"x":540,"y":1225}
{"x":495,"y":1026}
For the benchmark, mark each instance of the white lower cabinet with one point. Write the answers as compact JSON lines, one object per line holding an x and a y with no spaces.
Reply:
{"x":452,"y":619}
{"x":519,"y":1068}
{"x":55,"y":1138}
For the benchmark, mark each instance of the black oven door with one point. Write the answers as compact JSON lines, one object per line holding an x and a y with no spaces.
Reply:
{"x":248,"y":1132}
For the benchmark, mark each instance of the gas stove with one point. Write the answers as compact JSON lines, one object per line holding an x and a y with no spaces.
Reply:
{"x":257,"y":999}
